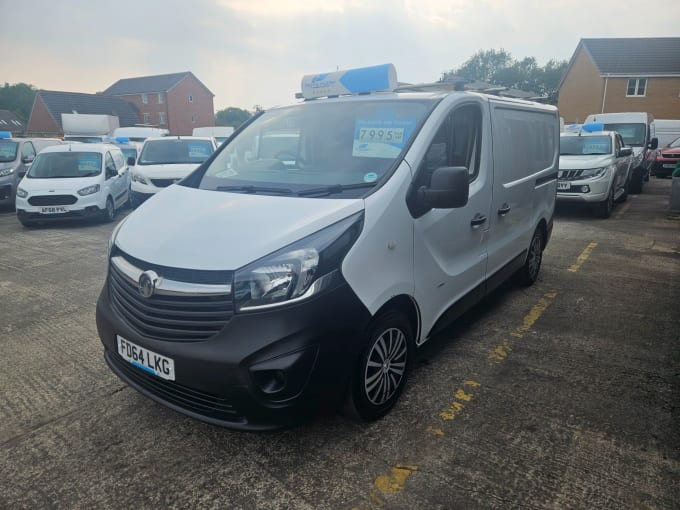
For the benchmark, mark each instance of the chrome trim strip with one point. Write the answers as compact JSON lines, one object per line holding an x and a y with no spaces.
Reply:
{"x":170,"y":287}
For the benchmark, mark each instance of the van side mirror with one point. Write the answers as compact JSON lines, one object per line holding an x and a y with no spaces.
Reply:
{"x":626,"y":151}
{"x":27,"y":159}
{"x":449,"y":188}
{"x":654,"y":143}
{"x":131,"y":161}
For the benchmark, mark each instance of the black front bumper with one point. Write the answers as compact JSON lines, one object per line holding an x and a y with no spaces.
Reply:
{"x":264,"y":370}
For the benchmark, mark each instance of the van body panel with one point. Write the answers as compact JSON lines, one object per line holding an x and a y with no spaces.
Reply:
{"x":234,"y":229}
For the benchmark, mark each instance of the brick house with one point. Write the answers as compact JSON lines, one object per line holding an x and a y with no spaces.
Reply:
{"x":178,"y":102}
{"x":622,"y":75}
{"x":48,"y":106}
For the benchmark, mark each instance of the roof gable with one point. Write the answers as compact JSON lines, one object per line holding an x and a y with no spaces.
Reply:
{"x":635,"y":55}
{"x":148,"y":84}
{"x":68,"y":102}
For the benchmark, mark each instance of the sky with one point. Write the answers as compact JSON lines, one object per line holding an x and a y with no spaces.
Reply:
{"x":255,"y":52}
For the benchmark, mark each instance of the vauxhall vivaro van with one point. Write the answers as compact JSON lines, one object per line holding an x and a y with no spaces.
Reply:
{"x":267,"y":283}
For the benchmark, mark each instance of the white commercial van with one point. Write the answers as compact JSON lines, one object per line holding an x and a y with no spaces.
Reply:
{"x":163,"y":161}
{"x":261,"y":287}
{"x":75,"y":180}
{"x":637,"y":130}
{"x":219,"y":133}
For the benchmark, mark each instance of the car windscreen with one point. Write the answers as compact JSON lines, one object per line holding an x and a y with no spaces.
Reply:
{"x":8,"y":151}
{"x":63,"y":165}
{"x":331,"y":145}
{"x":633,"y":134}
{"x":175,"y":151}
{"x":585,"y":145}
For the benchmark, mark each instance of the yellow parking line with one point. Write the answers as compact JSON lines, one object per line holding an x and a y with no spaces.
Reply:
{"x":582,"y":258}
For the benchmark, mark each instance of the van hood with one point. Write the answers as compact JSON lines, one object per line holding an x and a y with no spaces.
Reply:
{"x":584,"y":162}
{"x":189,"y":228}
{"x":58,"y":186}
{"x":166,"y":171}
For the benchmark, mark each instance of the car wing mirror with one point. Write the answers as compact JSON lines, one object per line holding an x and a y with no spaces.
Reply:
{"x":27,"y":159}
{"x":626,"y":151}
{"x":131,"y":161}
{"x":654,"y":143}
{"x":449,"y":188}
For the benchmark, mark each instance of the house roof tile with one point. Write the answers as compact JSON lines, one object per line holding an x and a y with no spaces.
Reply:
{"x":70,"y":102}
{"x":635,"y":55}
{"x":146,"y":84}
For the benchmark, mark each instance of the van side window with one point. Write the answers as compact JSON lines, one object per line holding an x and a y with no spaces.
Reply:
{"x":27,"y":150}
{"x":118,"y":159}
{"x":457,"y":143}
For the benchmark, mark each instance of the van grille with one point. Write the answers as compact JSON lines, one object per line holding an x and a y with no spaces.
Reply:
{"x":190,"y":399}
{"x":53,"y":200}
{"x":569,"y":175}
{"x":174,"y":317}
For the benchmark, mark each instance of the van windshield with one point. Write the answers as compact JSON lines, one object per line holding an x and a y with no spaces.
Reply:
{"x":585,"y":145}
{"x":326,"y":146}
{"x":174,"y":151}
{"x":8,"y":151}
{"x":84,"y":139}
{"x":63,"y":165}
{"x":633,"y":134}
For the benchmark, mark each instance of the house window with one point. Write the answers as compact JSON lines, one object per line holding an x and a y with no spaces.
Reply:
{"x":161,"y":118}
{"x":145,"y":99}
{"x":191,"y":99}
{"x":160,"y":98}
{"x":147,"y":118}
{"x":193,"y":119}
{"x":636,"y":87}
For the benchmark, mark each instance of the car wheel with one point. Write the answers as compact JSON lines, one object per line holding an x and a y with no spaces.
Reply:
{"x":381,"y":373}
{"x":636,"y":183}
{"x":110,"y":211}
{"x":605,"y":208}
{"x":528,"y":274}
{"x":624,"y":195}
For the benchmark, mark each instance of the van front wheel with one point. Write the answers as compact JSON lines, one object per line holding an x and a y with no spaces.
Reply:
{"x":528,"y":273}
{"x":381,"y":373}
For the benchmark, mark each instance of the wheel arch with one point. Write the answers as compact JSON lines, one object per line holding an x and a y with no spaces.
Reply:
{"x":407,"y":305}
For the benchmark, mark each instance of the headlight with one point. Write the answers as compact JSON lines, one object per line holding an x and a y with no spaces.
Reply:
{"x":594,"y":172}
{"x":114,"y":234}
{"x":139,"y":178}
{"x":297,"y":271}
{"x":89,"y":190}
{"x":22,"y":193}
{"x":7,"y":171}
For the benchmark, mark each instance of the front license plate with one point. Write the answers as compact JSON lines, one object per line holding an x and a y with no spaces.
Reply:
{"x":563,"y":185}
{"x":669,"y":165}
{"x":147,"y":360}
{"x":53,"y":210}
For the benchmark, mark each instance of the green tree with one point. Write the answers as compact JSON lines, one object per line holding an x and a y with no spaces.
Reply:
{"x":18,"y":98}
{"x":497,"y":67}
{"x":232,"y":116}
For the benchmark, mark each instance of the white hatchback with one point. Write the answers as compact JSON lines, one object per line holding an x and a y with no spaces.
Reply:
{"x":74,"y":181}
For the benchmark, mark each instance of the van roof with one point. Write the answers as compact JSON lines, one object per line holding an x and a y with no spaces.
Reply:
{"x":80,"y":147}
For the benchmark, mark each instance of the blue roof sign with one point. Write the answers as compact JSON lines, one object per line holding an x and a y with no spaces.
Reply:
{"x":5,"y":134}
{"x":591,"y":128}
{"x":352,"y":81}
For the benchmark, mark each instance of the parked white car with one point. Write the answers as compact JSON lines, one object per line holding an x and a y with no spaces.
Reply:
{"x":165,"y":160}
{"x":74,"y":181}
{"x":595,"y":168}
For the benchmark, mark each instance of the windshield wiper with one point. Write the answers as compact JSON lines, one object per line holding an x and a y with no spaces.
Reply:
{"x":335,"y":188}
{"x":255,"y":189}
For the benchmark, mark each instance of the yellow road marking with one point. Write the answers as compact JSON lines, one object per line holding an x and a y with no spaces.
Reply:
{"x":582,"y":258}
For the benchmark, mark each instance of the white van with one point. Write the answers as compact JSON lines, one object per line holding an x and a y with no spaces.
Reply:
{"x":220,"y":133}
{"x":637,"y":130}
{"x":261,"y":287}
{"x":164,"y":161}
{"x":139,"y":133}
{"x":78,"y":180}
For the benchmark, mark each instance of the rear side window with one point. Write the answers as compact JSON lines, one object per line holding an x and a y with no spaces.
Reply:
{"x":524,"y":142}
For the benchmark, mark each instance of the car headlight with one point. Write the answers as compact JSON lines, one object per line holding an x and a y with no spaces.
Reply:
{"x":139,"y":178}
{"x":89,"y":190}
{"x":6,"y":171}
{"x":594,"y":172}
{"x":22,"y":193}
{"x":114,"y":234}
{"x":297,"y":271}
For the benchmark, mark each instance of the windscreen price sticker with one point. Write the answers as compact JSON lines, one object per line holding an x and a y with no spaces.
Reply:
{"x":389,"y":135}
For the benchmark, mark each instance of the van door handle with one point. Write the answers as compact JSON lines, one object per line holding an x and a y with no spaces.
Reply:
{"x":478,"y":220}
{"x":505,"y":209}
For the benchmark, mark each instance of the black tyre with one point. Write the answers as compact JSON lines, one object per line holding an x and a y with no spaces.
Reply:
{"x":27,"y":223}
{"x":624,"y":195}
{"x":604,"y":209}
{"x":636,"y":182}
{"x":109,"y":213}
{"x":528,"y":274}
{"x":381,"y":373}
